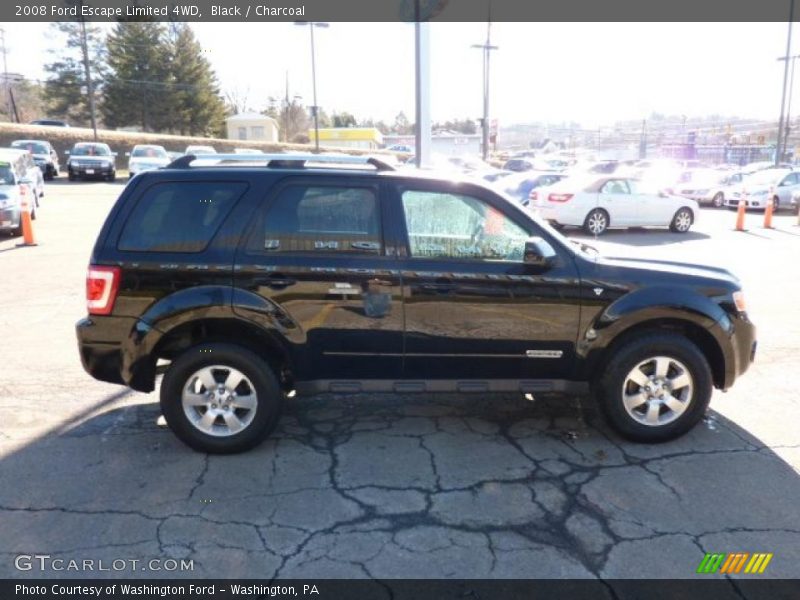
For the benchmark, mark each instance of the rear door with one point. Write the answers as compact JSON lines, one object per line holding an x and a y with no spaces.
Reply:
{"x":316,"y":256}
{"x":473,"y":310}
{"x":615,"y":197}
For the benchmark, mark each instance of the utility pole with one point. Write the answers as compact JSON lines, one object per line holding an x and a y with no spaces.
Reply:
{"x":88,"y":75}
{"x":787,"y":126}
{"x":643,"y":140}
{"x":6,"y":83}
{"x":487,"y":49}
{"x":778,"y":147}
{"x":315,"y":108}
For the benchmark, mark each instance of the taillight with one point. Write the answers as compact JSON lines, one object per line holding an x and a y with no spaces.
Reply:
{"x":560,"y":197}
{"x":533,"y":195}
{"x":102,"y":284}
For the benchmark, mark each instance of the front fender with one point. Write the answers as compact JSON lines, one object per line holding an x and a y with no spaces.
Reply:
{"x":658,"y":305}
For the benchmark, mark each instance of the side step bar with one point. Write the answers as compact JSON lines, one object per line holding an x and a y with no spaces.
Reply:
{"x":403,"y":386}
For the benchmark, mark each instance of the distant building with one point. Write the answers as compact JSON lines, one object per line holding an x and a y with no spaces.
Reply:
{"x":365,"y":138}
{"x":446,"y":143}
{"x":252,"y":127}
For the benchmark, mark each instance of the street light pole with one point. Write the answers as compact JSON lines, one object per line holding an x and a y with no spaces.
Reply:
{"x":315,"y":108}
{"x":6,"y":83}
{"x":778,"y":149}
{"x":487,"y":49}
{"x":787,"y":126}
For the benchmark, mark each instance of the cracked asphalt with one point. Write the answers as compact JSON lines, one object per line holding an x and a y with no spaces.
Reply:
{"x":392,"y":486}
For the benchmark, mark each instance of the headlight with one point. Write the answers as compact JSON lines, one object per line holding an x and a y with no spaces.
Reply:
{"x":738,"y":300}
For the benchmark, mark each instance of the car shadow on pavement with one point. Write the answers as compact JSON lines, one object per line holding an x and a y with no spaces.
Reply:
{"x":639,"y":236}
{"x":398,"y":486}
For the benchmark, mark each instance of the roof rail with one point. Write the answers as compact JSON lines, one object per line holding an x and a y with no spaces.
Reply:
{"x":281,"y":161}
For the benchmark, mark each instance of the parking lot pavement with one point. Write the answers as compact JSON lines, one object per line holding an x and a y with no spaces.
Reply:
{"x":392,"y":486}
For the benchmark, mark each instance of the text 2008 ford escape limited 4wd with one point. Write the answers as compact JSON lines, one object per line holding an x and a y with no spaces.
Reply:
{"x":281,"y":272}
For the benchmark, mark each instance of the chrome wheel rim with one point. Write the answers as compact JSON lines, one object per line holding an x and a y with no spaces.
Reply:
{"x":597,"y":222}
{"x":657,"y":391}
{"x":219,"y":400}
{"x":683,"y":220}
{"x":719,"y":200}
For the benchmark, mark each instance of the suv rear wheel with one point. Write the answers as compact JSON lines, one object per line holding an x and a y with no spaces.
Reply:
{"x":220,"y":398}
{"x":655,"y":387}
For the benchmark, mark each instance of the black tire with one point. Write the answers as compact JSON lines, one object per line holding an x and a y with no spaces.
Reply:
{"x":111,"y":177}
{"x":72,"y":176}
{"x":682,"y":221}
{"x":718,"y":200}
{"x":596,"y":222}
{"x":33,"y":214}
{"x":269,"y":397}
{"x":17,"y":231}
{"x":613,"y":382}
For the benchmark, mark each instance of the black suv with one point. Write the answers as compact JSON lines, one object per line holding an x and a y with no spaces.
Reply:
{"x":253,"y":276}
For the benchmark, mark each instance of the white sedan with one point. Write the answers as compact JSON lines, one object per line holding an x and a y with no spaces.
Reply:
{"x":597,"y":203}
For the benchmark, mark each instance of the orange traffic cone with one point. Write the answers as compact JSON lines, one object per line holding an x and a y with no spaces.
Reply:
{"x":740,"y":212}
{"x":768,"y":210}
{"x":25,"y":217}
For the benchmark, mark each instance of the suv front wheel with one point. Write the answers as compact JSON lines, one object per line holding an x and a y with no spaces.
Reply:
{"x":655,"y":387}
{"x":220,"y":398}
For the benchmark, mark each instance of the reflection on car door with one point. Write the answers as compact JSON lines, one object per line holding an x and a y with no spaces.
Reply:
{"x":316,"y":255}
{"x":473,"y":310}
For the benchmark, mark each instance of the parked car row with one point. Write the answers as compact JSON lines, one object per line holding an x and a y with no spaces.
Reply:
{"x":21,"y":180}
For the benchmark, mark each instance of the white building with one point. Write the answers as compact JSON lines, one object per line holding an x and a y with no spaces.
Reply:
{"x":445,"y":143}
{"x":252,"y":127}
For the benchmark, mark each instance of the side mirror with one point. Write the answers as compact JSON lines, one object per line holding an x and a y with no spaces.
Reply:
{"x":127,"y":154}
{"x":66,"y":152}
{"x":538,"y":253}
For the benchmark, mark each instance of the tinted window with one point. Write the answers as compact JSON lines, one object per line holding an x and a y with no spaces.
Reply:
{"x":615,"y":186}
{"x":149,"y":151}
{"x":6,"y":175}
{"x":321,"y":219}
{"x":91,"y":150}
{"x":179,"y":217}
{"x":454,"y":226}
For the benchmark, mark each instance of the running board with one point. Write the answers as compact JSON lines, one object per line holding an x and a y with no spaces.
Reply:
{"x":409,"y":386}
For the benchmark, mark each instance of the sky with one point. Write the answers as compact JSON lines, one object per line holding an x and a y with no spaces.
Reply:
{"x":591,"y":73}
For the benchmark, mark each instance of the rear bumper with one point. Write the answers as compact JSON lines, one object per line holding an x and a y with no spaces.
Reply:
{"x":103,"y":344}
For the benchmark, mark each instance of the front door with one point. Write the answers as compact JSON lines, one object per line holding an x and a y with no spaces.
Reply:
{"x":473,"y":310}
{"x":316,"y":255}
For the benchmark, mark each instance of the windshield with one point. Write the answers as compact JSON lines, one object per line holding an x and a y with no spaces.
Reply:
{"x":91,"y":150}
{"x":32,"y":147}
{"x":6,"y":175}
{"x":149,"y":152}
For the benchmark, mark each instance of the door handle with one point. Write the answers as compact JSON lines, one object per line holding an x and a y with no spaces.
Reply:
{"x":276,"y":281}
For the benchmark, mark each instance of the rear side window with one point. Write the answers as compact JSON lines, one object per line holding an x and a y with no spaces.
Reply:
{"x":179,"y":216}
{"x":317,"y":219}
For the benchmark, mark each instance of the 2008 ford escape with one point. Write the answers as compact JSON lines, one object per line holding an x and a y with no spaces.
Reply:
{"x":252,"y":276}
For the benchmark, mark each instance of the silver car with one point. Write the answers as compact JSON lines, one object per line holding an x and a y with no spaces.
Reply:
{"x":770,"y":185}
{"x":708,"y":186}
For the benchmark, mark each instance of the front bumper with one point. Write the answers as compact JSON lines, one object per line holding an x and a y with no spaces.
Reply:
{"x":742,"y":349}
{"x":92,"y":171}
{"x":759,"y":202}
{"x":9,"y":218}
